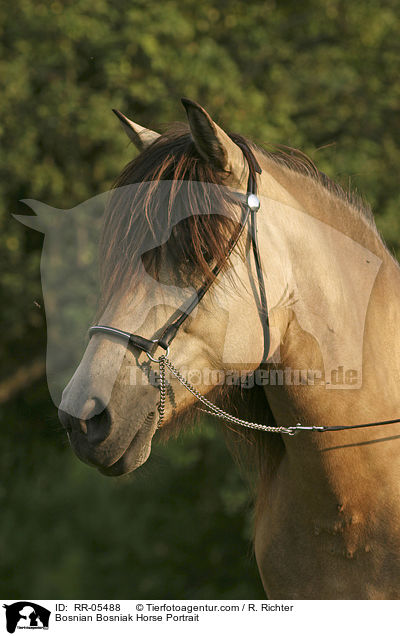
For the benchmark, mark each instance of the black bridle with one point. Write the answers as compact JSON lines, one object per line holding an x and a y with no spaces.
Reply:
{"x":250,"y":205}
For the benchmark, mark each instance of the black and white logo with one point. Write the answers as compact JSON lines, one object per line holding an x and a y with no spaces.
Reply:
{"x":26,"y":615}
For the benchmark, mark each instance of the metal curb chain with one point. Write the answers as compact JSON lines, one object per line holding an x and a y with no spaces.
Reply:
{"x":212,"y":409}
{"x":162,"y":386}
{"x":163,"y":362}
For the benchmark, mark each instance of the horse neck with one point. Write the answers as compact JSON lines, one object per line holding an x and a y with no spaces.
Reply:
{"x":342,"y":319}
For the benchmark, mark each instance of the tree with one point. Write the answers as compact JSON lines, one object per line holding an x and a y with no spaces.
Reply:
{"x":322,"y":77}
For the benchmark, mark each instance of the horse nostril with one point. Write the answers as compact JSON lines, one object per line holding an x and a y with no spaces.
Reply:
{"x":94,"y":421}
{"x":98,"y":427}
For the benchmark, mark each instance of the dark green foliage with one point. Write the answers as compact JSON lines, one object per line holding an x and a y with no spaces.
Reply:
{"x":319,"y":76}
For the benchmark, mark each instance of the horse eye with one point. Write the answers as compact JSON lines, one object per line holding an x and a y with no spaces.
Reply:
{"x":208,"y":257}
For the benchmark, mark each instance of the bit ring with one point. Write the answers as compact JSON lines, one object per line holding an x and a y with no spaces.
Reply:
{"x":150,"y":357}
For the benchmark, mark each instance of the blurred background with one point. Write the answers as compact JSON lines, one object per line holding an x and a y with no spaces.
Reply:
{"x":319,"y":76}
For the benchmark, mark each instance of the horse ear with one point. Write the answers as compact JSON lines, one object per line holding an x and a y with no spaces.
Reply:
{"x":213,"y":144}
{"x":141,"y":137}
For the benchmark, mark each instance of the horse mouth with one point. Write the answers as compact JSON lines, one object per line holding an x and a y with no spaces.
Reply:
{"x":137,"y":452}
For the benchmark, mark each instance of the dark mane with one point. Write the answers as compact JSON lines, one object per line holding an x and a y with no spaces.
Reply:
{"x":138,"y":214}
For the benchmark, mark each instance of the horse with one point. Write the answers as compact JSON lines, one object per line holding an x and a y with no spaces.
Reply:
{"x":327,"y":499}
